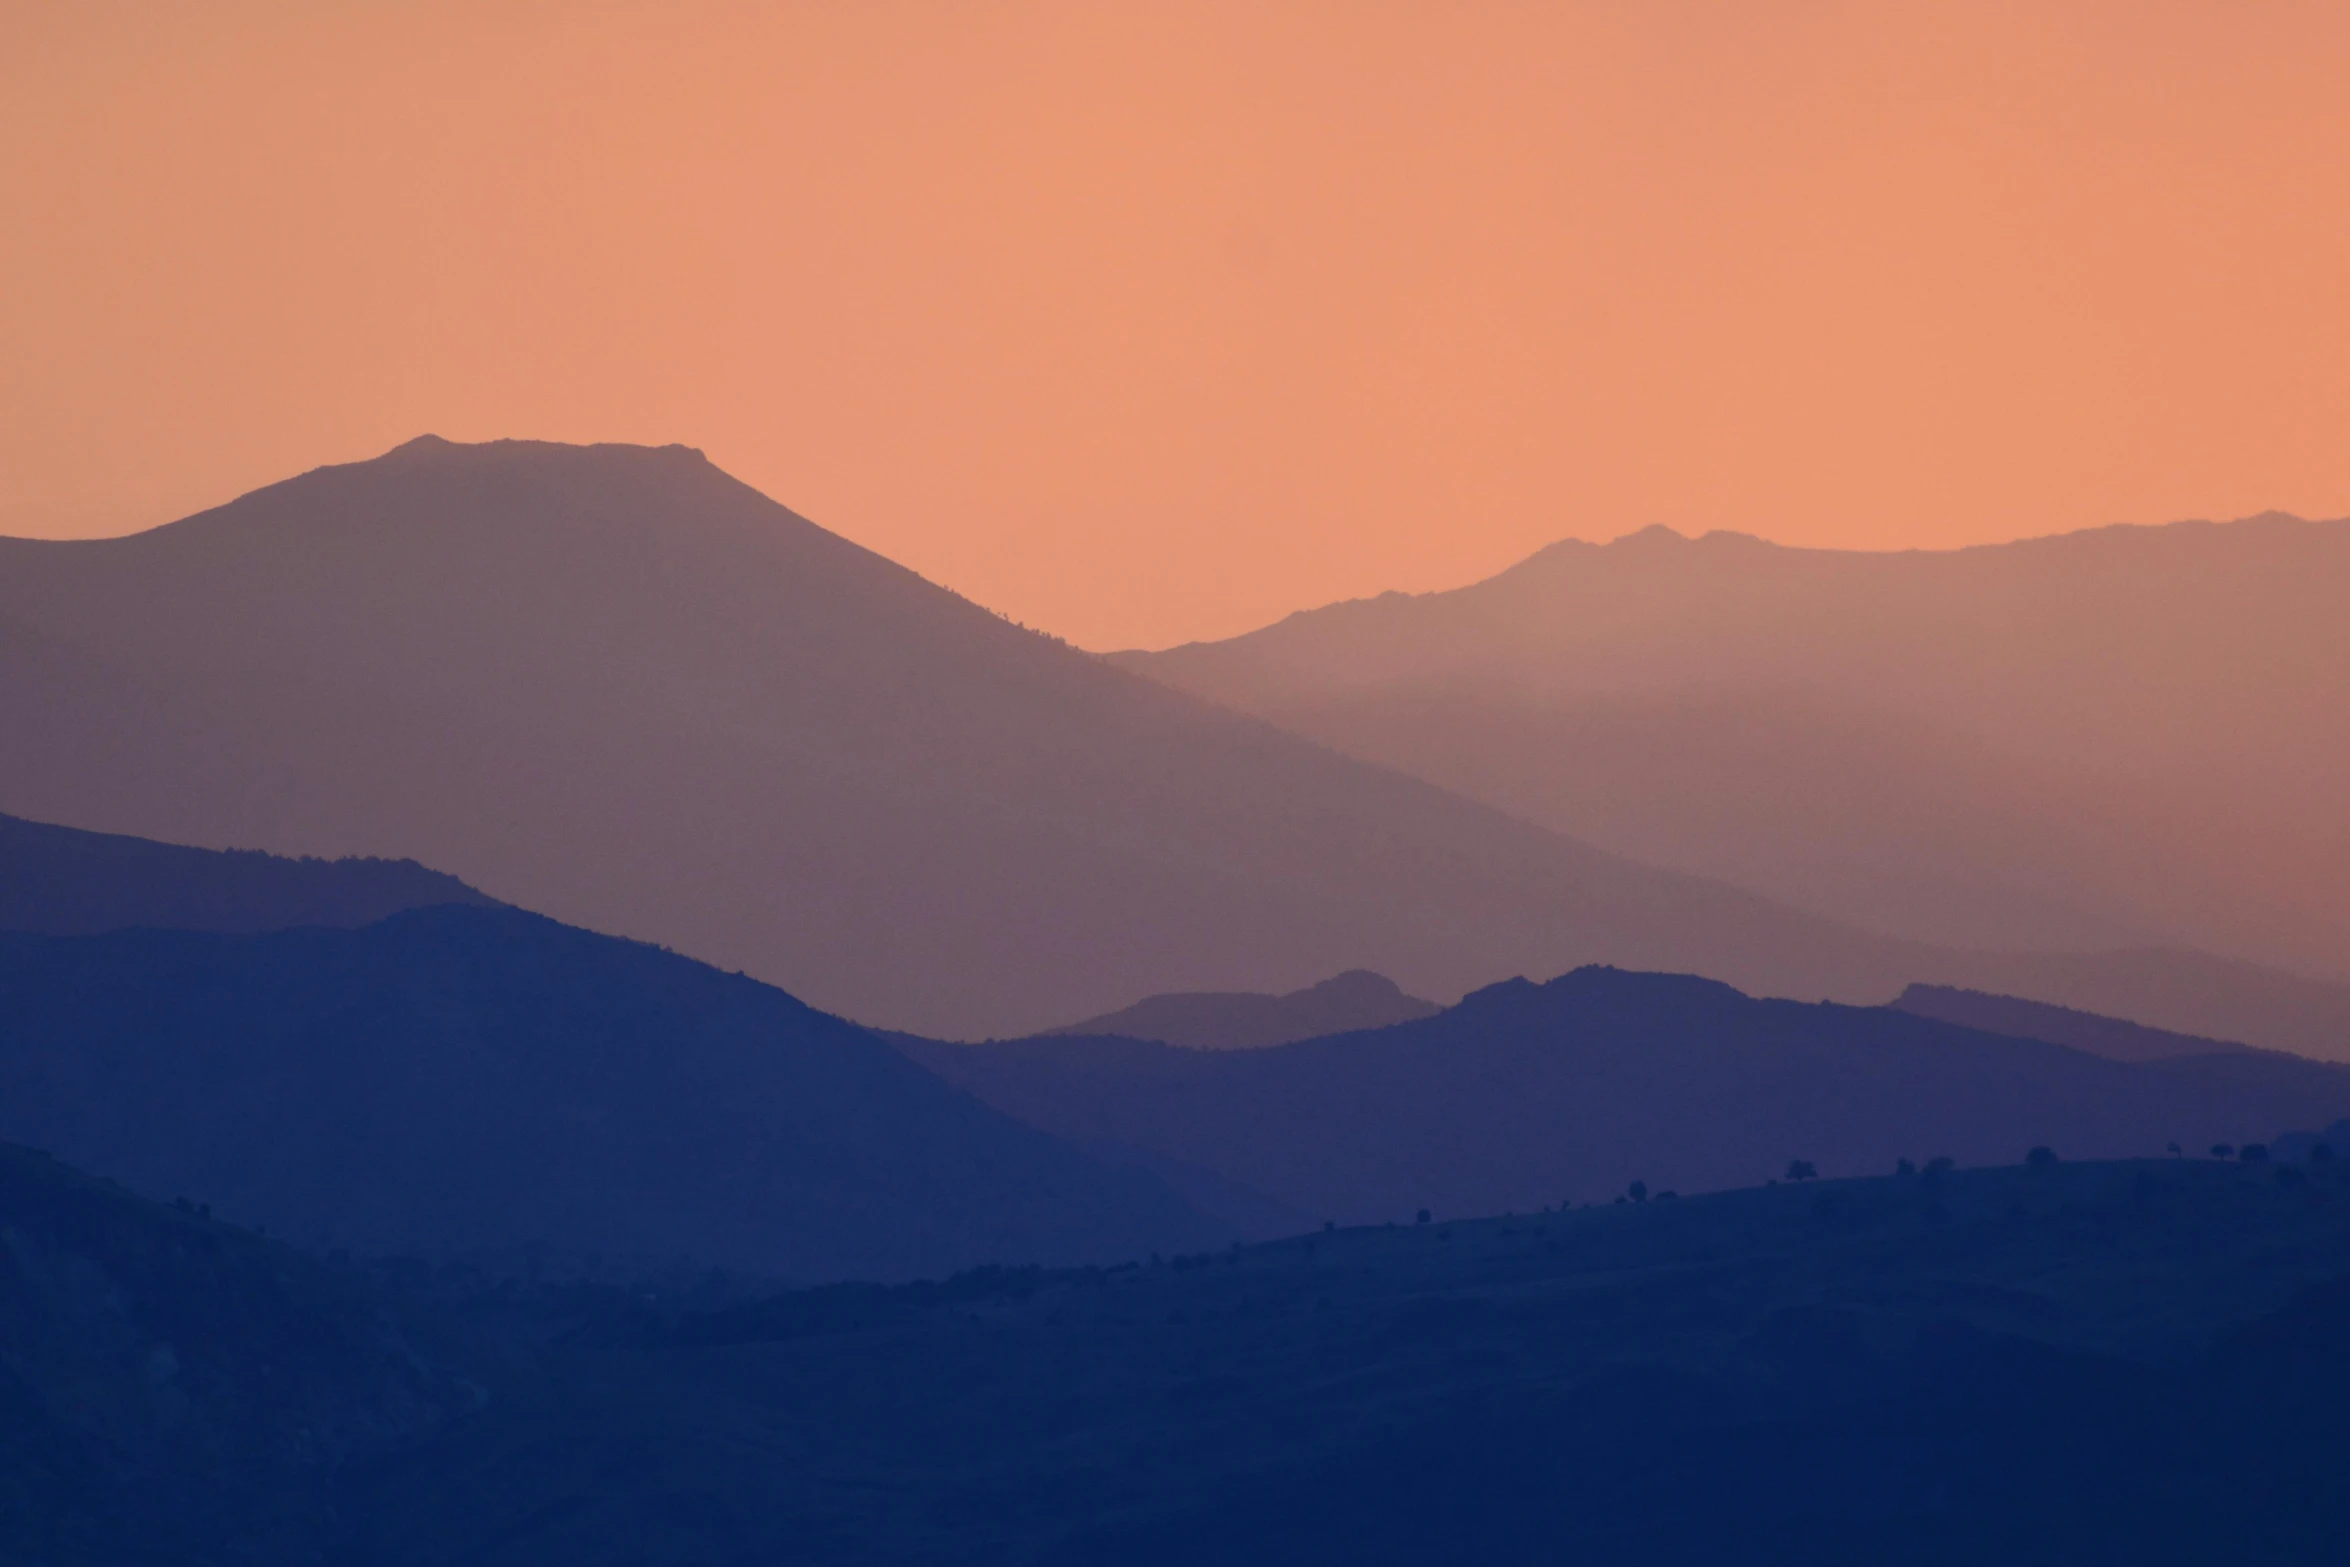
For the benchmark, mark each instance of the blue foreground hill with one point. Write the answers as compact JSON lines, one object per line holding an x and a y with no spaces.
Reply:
{"x":482,"y":1085}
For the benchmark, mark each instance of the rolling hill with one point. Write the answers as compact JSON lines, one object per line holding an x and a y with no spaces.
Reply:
{"x":481,"y":1085}
{"x":2107,"y":1364}
{"x":1525,"y":1095}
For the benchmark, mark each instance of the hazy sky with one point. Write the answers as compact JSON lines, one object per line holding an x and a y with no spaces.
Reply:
{"x":1148,"y":322}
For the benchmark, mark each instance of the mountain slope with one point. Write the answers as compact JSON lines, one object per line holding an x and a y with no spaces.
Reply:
{"x":61,"y":882}
{"x":1339,"y":1005}
{"x":1525,"y":1095}
{"x":2100,"y":1036}
{"x":486,"y":1085}
{"x":173,"y":1388}
{"x":615,"y":685}
{"x":2122,"y":737}
{"x":2165,"y":988}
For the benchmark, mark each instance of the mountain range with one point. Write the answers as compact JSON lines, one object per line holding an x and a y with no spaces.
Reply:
{"x":466,"y":1082}
{"x":2127,"y":737}
{"x":575,"y":1168}
{"x":1525,"y":1096}
{"x":484,"y":1086}
{"x":616,"y":686}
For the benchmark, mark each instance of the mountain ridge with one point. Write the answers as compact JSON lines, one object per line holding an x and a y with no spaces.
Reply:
{"x":2116,"y":737}
{"x":60,"y":881}
{"x":489,"y":1087}
{"x":1244,"y":1020}
{"x":2113,"y":1038}
{"x":625,"y":689}
{"x":1527,"y":1094}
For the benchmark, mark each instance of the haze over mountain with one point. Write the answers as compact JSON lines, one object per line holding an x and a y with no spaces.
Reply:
{"x":64,"y":882}
{"x":484,"y":1085}
{"x":1340,"y":1004}
{"x":1527,"y":1095}
{"x":615,"y":685}
{"x":2130,"y":736}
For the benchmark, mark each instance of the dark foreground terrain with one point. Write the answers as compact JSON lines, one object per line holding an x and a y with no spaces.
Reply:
{"x":2135,"y":1362}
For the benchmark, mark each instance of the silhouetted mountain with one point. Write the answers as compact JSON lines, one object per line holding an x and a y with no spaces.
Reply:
{"x":64,"y":882}
{"x":173,"y":1388}
{"x":2116,"y":738}
{"x":2110,"y":1037}
{"x":617,"y":686}
{"x":1531,"y":1094}
{"x":483,"y":1084}
{"x":1354,"y":1000}
{"x":2088,"y":1364}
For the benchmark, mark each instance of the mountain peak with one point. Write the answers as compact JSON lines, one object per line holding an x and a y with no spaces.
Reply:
{"x":1357,"y":982}
{"x":1246,"y":1020}
{"x":1655,"y":536}
{"x":436,"y":446}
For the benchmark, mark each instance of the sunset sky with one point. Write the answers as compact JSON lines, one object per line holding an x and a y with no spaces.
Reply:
{"x":1151,"y":322}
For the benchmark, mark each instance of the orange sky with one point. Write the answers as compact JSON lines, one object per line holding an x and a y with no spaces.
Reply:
{"x":1144,"y":323}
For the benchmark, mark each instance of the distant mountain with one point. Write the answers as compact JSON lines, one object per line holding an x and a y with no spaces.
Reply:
{"x":1243,"y":1020}
{"x":484,"y":1085}
{"x":1526,"y":1095}
{"x":64,"y":882}
{"x":615,"y":685}
{"x":2126,"y":737}
{"x":2110,"y":1037}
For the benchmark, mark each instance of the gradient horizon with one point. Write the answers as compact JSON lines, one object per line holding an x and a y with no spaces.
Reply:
{"x":1148,"y":324}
